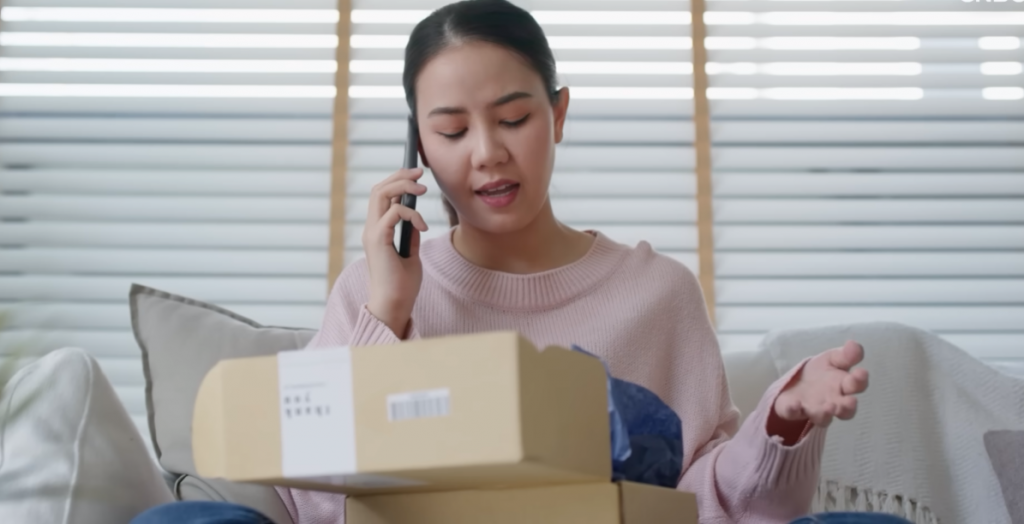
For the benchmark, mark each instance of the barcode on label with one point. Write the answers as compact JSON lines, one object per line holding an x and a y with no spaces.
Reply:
{"x":419,"y":404}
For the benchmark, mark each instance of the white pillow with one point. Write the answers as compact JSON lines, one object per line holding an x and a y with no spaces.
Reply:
{"x":73,"y":456}
{"x":749,"y":374}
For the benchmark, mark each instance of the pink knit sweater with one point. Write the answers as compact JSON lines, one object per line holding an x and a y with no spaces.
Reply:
{"x":641,"y":312}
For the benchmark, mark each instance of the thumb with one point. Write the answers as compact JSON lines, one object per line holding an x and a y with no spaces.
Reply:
{"x":847,"y":356}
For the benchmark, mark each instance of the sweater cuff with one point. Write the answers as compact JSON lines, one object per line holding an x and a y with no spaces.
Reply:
{"x":370,"y":331}
{"x":775,"y":464}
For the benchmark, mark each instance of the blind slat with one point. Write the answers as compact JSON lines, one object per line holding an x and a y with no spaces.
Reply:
{"x":57,"y":315}
{"x":142,"y":261}
{"x":869,"y":237}
{"x":953,"y":318}
{"x":872,"y":292}
{"x":803,"y":264}
{"x":177,"y":209}
{"x":157,"y":235}
{"x":290,"y":182}
{"x":309,"y":290}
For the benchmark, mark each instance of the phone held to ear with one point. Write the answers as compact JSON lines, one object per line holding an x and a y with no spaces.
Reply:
{"x":412,"y":140}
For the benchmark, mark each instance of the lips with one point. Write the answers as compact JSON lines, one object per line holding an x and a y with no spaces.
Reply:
{"x":498,"y":187}
{"x":499,"y":193}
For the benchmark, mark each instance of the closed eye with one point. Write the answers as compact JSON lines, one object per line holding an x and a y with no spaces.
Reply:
{"x":453,"y":136}
{"x":515,"y":123}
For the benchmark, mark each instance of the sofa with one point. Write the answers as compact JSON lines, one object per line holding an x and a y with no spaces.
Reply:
{"x":918,"y":447}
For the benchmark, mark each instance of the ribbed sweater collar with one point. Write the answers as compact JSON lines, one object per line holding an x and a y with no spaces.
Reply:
{"x":514,"y":292}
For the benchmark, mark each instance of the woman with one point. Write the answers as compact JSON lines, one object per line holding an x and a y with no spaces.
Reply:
{"x":480,"y":80}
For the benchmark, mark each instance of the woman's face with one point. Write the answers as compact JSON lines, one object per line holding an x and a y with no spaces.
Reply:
{"x":489,"y":130}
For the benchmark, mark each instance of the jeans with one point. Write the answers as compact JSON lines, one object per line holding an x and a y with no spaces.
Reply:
{"x":851,"y":518}
{"x":202,"y":512}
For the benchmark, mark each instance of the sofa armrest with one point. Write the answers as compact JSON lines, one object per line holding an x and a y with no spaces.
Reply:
{"x":749,"y":373}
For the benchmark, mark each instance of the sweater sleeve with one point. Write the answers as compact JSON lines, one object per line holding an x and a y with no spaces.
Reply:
{"x":347,"y":322}
{"x":744,"y":476}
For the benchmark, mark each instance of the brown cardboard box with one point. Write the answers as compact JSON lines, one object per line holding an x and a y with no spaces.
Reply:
{"x":473,"y":411}
{"x":603,"y":503}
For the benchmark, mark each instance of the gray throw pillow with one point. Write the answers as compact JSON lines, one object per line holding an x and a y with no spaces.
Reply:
{"x":1006,"y":452}
{"x":181,"y":339}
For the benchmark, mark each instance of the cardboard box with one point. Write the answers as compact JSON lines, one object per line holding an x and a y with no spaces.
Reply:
{"x":603,"y":503}
{"x":438,"y":414}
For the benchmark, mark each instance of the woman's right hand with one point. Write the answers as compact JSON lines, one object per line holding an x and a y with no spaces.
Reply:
{"x":394,"y":281}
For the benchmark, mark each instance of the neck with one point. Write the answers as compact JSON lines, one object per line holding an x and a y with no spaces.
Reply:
{"x":543,"y":245}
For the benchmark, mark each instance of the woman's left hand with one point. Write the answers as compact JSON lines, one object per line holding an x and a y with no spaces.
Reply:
{"x":825,"y":388}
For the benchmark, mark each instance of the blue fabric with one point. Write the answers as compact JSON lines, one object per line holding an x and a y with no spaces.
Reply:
{"x":201,"y":512}
{"x":204,"y":512}
{"x":646,"y":434}
{"x":851,"y":518}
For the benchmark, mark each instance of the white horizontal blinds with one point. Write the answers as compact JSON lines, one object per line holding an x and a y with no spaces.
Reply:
{"x":626,"y":165}
{"x":869,"y":166}
{"x":186,"y":149}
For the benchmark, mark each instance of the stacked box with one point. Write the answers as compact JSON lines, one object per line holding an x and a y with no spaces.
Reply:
{"x":472,"y":428}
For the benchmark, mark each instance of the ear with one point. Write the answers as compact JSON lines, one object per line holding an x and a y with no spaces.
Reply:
{"x":423,"y":154}
{"x":561,"y":109}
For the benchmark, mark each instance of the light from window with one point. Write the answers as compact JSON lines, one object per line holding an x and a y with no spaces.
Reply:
{"x":115,"y":14}
{"x":124,"y":65}
{"x":840,"y":68}
{"x":999,"y":42}
{"x":10,"y":39}
{"x":1003,"y":93}
{"x":167,"y":91}
{"x":1001,"y":68}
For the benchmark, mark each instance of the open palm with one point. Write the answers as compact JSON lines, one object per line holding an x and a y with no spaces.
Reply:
{"x":826,"y":387}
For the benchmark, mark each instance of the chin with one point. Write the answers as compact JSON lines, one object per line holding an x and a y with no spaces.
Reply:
{"x":500,"y":224}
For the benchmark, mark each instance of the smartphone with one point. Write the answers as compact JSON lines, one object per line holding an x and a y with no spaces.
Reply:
{"x":412,"y":140}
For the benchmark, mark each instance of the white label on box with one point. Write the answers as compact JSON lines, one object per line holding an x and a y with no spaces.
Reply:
{"x":318,"y":435}
{"x":419,"y":404}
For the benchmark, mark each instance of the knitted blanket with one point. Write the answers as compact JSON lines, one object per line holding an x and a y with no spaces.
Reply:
{"x":916,"y":446}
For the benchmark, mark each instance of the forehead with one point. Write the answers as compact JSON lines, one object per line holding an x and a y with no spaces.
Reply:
{"x":472,"y":75}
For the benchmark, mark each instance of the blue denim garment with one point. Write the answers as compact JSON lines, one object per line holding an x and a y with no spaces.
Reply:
{"x":200,"y":512}
{"x":851,"y":518}
{"x":646,"y":434}
{"x":205,"y":512}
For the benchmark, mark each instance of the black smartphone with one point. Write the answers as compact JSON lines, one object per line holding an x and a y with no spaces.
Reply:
{"x":412,"y":140}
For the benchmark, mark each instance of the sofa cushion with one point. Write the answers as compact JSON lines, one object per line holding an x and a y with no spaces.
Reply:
{"x":749,"y":375}
{"x":69,"y":452}
{"x":181,"y":340}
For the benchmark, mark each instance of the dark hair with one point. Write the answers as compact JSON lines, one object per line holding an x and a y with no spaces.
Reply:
{"x":497,"y":22}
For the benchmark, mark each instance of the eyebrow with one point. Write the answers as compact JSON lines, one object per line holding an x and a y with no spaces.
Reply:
{"x":505,"y":99}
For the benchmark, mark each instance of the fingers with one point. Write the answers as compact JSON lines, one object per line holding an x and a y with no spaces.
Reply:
{"x":383,"y":231}
{"x":823,"y":417}
{"x":846,"y":408}
{"x":394,"y":186}
{"x":398,"y":213}
{"x":414,"y":244}
{"x":847,"y":356}
{"x":789,"y":407}
{"x":854,"y":382}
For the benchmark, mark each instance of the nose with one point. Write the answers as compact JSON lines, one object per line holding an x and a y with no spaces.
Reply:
{"x":489,"y":149}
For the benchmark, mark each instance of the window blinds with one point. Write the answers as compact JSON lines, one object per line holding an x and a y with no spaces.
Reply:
{"x":869,"y":165}
{"x":626,"y":165}
{"x":182,"y":145}
{"x":867,"y":157}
